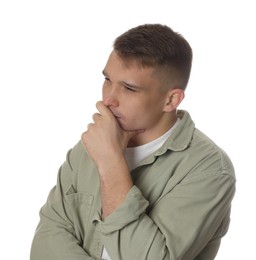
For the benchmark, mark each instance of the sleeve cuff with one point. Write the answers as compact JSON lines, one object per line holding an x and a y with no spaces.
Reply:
{"x":131,"y":209}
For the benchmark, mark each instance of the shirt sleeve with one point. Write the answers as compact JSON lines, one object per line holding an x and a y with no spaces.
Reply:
{"x":55,"y":237}
{"x":178,"y":225}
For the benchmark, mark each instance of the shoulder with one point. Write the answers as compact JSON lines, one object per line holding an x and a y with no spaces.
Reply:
{"x":209,"y":156}
{"x":75,"y":156}
{"x":196,"y":151}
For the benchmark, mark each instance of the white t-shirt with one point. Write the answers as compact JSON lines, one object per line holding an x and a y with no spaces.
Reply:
{"x":134,"y":156}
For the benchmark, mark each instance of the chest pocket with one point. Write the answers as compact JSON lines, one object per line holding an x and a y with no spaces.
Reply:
{"x":80,"y":205}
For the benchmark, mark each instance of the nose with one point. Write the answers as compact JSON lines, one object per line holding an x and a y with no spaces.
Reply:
{"x":110,"y":96}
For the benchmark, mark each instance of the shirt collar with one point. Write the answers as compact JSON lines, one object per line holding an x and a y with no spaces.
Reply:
{"x":180,"y":138}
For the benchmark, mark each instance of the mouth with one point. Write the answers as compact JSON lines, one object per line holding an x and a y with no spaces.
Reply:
{"x":117,"y":115}
{"x":119,"y":118}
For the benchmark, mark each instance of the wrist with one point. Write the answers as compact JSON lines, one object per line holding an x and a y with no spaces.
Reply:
{"x":112,"y":164}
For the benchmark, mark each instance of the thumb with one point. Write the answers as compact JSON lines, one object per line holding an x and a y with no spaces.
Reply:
{"x":132,"y":133}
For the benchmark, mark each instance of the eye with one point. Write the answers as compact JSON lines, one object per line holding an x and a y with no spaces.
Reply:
{"x":130,"y":89}
{"x":107,"y":81}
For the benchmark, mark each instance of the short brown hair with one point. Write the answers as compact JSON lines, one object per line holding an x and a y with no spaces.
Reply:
{"x":156,"y":45}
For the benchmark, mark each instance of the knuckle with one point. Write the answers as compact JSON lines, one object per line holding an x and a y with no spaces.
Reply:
{"x":95,"y":116}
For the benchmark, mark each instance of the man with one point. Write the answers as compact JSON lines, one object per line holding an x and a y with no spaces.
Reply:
{"x":143,"y":182}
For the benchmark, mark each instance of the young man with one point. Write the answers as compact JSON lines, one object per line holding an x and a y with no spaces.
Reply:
{"x":143,"y":182}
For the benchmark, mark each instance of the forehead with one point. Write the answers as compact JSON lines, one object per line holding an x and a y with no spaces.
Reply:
{"x":119,"y":66}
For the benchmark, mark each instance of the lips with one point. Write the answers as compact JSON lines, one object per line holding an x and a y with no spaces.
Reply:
{"x":116,"y":114}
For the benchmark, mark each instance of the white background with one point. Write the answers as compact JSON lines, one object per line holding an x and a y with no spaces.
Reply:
{"x":51,"y":57}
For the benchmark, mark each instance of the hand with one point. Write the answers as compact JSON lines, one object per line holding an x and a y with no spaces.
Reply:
{"x":104,"y":139}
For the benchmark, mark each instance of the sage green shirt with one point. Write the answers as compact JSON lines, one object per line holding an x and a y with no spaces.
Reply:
{"x":178,"y":208}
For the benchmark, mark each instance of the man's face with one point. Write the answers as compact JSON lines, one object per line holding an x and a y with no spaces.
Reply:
{"x":133,"y":95}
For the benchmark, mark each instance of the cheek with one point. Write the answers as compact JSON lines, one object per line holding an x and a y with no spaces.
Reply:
{"x":140,"y":117}
{"x":141,"y":112}
{"x":133,"y":117}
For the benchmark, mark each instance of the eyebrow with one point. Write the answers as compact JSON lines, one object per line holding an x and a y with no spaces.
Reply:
{"x":130,"y":85}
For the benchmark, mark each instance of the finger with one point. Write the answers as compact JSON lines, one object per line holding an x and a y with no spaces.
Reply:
{"x":96,"y":116}
{"x":134,"y":132}
{"x":139,"y":131}
{"x":103,"y":110}
{"x":90,"y":126}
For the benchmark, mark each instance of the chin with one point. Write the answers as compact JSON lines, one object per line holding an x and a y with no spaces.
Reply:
{"x":126,"y":127}
{"x":122,"y":125}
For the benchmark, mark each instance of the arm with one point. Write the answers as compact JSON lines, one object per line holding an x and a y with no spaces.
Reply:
{"x":105,"y":141}
{"x":55,"y":237}
{"x":115,"y":183}
{"x":178,"y":226}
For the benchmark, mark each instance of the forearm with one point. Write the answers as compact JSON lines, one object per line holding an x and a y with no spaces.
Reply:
{"x":56,"y":244}
{"x":130,"y":233}
{"x":115,"y":183}
{"x":179,"y":225}
{"x":55,"y":237}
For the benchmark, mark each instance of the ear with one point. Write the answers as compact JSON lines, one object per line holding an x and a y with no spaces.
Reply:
{"x":173,"y":99}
